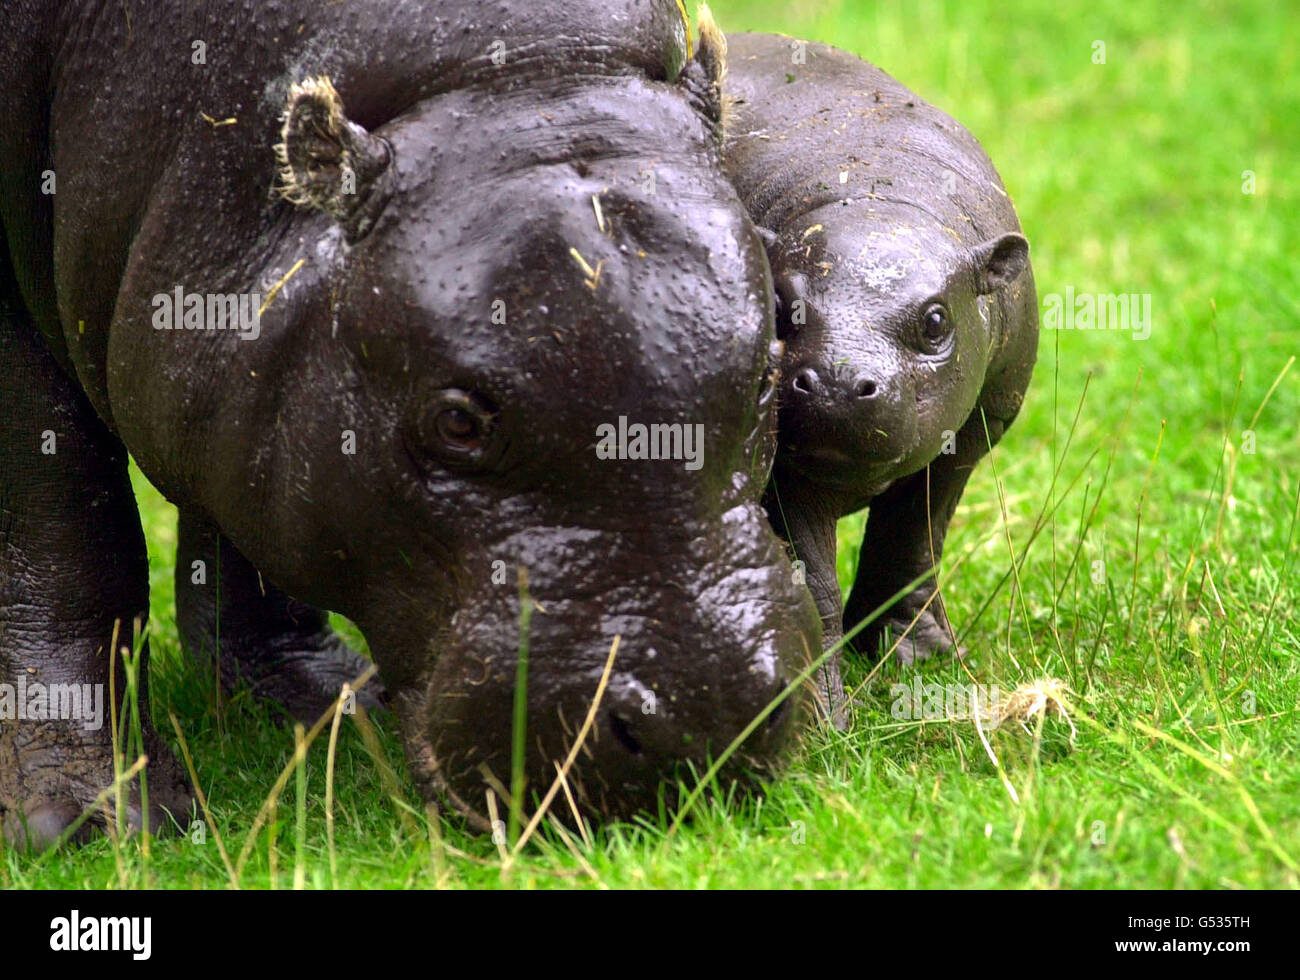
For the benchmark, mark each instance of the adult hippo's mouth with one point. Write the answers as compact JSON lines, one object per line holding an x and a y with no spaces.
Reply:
{"x":710,"y":635}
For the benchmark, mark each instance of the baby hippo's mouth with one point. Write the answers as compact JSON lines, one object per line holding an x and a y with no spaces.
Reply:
{"x":838,"y":468}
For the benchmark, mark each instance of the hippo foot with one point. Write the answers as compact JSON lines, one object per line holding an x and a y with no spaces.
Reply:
{"x":304,"y":677}
{"x":928,"y":637}
{"x":51,"y":774}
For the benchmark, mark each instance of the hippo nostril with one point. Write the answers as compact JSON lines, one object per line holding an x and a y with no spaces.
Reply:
{"x":865,"y":388}
{"x":624,"y":734}
{"x":805,"y":381}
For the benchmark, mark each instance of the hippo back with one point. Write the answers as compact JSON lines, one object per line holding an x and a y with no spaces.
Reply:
{"x":837,"y":127}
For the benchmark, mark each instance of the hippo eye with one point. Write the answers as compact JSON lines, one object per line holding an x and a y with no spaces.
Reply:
{"x":456,"y":425}
{"x":936,"y":325}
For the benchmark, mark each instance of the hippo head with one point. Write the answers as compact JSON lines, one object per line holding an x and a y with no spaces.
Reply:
{"x":545,"y":319}
{"x":886,"y":320}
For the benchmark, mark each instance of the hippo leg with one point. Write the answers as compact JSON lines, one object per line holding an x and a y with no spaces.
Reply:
{"x":896,"y":548}
{"x":72,"y":565}
{"x":903,"y":540}
{"x":807,"y":522}
{"x":283,"y":649}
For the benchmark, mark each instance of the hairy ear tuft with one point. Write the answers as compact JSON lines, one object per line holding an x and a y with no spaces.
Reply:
{"x":327,"y":162}
{"x":706,"y":73}
{"x":713,"y":57}
{"x":712,"y":53}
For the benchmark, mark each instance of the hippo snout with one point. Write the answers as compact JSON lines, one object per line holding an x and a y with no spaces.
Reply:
{"x":704,"y":647}
{"x":639,"y":734}
{"x":870,"y":387}
{"x":853,"y":414}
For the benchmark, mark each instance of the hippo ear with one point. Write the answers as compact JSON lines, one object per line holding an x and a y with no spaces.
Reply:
{"x":707,"y":71}
{"x":329,"y":163}
{"x":999,"y":261}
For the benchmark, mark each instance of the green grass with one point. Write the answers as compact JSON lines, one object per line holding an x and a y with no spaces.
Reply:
{"x":1128,"y":178}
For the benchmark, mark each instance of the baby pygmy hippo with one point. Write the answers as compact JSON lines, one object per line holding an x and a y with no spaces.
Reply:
{"x":907,"y":307}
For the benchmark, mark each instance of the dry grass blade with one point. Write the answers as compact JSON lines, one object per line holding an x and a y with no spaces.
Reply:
{"x":387,"y":777}
{"x":573,"y":806}
{"x":573,"y":752}
{"x":203,"y":801}
{"x":275,"y":290}
{"x":329,"y":782}
{"x":1040,"y":697}
{"x":997,"y":765}
{"x":1019,"y":590}
{"x":300,"y":809}
{"x":287,"y":772}
{"x":583,"y":863}
{"x":437,"y":847}
{"x":498,"y":837}
{"x":1269,"y":394}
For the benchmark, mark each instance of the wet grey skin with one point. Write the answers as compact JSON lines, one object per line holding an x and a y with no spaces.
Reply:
{"x":907,"y":306}
{"x":455,"y":318}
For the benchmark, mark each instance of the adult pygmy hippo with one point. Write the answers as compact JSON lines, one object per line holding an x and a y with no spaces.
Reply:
{"x":908,"y":310}
{"x":490,"y":231}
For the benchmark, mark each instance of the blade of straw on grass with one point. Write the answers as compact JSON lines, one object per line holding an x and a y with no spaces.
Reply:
{"x":300,"y":807}
{"x":203,"y":800}
{"x":329,"y":782}
{"x":287,"y":772}
{"x":573,"y":752}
